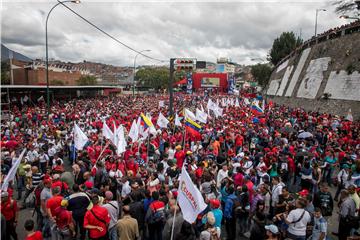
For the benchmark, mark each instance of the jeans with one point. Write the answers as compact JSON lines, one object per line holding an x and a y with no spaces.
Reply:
{"x":113,"y":233}
{"x":79,"y":227}
{"x":20,"y":186}
{"x":155,"y":231}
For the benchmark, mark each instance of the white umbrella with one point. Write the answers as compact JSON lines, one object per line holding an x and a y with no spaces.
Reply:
{"x":305,"y":135}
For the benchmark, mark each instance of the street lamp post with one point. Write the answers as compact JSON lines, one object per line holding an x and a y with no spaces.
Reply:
{"x":47,"y":54}
{"x":316,"y":18}
{"x":147,"y":50}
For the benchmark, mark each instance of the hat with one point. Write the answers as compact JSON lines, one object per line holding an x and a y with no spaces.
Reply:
{"x":47,"y":180}
{"x":178,"y":147}
{"x":108,"y":195}
{"x":56,"y":176}
{"x":272,"y":228}
{"x":95,"y":191}
{"x":215,"y":203}
{"x":27,"y":166}
{"x":346,"y":166}
{"x":210,"y":218}
{"x":189,"y":152}
{"x":4,"y":194}
{"x":89,"y":184}
{"x":303,"y":193}
{"x":64,"y":203}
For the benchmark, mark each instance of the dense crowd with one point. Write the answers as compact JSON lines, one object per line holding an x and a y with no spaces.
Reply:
{"x":262,"y":175}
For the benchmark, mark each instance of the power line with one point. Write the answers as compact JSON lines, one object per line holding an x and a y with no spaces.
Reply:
{"x":109,"y":35}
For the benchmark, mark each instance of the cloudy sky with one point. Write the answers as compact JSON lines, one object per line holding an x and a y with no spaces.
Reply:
{"x":240,"y":30}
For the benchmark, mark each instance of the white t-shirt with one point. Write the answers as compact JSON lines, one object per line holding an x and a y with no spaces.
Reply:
{"x":298,"y":228}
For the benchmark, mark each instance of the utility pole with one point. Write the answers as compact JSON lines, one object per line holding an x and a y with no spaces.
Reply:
{"x":171,"y":89}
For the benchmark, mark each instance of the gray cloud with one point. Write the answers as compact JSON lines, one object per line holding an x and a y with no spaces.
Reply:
{"x":205,"y":30}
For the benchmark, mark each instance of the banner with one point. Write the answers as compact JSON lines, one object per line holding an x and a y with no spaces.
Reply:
{"x":189,"y":83}
{"x":190,"y":199}
{"x":231,"y":84}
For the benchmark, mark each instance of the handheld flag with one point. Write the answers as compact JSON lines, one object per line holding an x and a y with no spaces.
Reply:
{"x":189,"y":114}
{"x":146,"y":122}
{"x":190,"y":199}
{"x":80,"y":139}
{"x":107,"y":133}
{"x":161,"y":104}
{"x":134,"y":132}
{"x":121,"y":141}
{"x":256,"y":110}
{"x":162,"y":122}
{"x":12,"y":172}
{"x":201,"y":116}
{"x":237,"y":103}
{"x":177,"y":120}
{"x":192,"y":127}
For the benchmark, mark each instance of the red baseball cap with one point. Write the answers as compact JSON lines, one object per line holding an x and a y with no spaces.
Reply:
{"x":215,"y":203}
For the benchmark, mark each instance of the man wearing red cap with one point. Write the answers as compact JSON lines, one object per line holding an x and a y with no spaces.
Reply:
{"x":215,"y":209}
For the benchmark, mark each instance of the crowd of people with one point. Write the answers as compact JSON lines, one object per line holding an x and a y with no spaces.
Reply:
{"x":264,"y":175}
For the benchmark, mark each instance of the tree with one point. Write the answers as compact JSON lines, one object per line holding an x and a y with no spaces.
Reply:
{"x":261,"y":73}
{"x":57,"y":82}
{"x":157,"y":78}
{"x":5,"y":72}
{"x":346,"y":6}
{"x":283,"y":46}
{"x":86,"y":80}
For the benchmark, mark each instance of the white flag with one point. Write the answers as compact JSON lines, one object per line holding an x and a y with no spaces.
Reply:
{"x":202,"y":108}
{"x":107,"y":133}
{"x":218,"y":111}
{"x":189,"y":114}
{"x":349,"y":116}
{"x":134,"y":132}
{"x":162,"y":122}
{"x":121,"y":141}
{"x":190,"y":199}
{"x":80,"y":139}
{"x":161,"y":104}
{"x":201,"y":116}
{"x":26,"y":98}
{"x":12,"y":172}
{"x":211,"y":105}
{"x":144,"y":133}
{"x":237,"y":103}
{"x":40,"y":99}
{"x":246,"y":101}
{"x":177,"y":120}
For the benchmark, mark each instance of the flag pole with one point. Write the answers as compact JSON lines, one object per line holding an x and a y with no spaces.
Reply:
{"x":102,"y":151}
{"x":173,"y":222}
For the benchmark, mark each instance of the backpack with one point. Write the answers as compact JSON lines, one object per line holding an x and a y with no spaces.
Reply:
{"x":64,"y":192}
{"x":30,"y":201}
{"x":157,"y":217}
{"x":236,"y":208}
{"x":37,"y":192}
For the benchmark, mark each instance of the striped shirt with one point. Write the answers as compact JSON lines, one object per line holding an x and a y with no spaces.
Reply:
{"x":36,"y":179}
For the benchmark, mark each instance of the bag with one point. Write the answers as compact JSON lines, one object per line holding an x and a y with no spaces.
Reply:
{"x":30,"y":201}
{"x":237,"y":208}
{"x":101,"y":220}
{"x":352,"y":221}
{"x":157,"y":217}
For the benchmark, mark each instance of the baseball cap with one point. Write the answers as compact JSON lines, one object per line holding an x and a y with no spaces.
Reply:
{"x":210,"y":218}
{"x":4,"y":194}
{"x":272,"y":228}
{"x":89,"y":184}
{"x":64,"y":203}
{"x":108,"y":195}
{"x":304,"y":192}
{"x":215,"y":203}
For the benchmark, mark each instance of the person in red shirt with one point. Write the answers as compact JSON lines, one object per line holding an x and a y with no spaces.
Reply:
{"x":64,"y":223}
{"x":58,"y":183}
{"x":180,"y":156}
{"x":97,"y":220}
{"x":30,"y":233}
{"x":53,"y":203}
{"x":9,"y":210}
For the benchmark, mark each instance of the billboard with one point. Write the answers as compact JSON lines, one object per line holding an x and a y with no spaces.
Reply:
{"x":220,"y":68}
{"x":210,"y":82}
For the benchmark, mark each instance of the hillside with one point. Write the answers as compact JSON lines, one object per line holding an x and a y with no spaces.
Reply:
{"x":5,"y":55}
{"x":323,"y":77}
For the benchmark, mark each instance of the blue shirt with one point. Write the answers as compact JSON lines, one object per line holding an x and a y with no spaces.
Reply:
{"x":218,"y":214}
{"x":229,"y":206}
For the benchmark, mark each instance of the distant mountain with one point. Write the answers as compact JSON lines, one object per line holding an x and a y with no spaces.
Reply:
{"x":5,"y":52}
